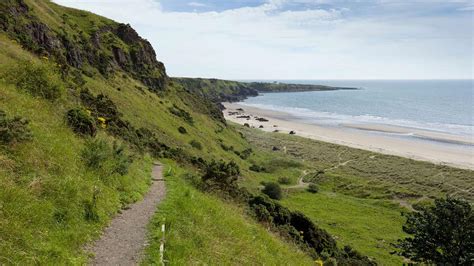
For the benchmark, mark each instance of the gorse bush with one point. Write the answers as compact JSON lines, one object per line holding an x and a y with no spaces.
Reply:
{"x":13,"y":130}
{"x":121,"y":160}
{"x":182,"y":130}
{"x":81,"y":122}
{"x":38,"y":79}
{"x":95,"y":153}
{"x":221,"y":172}
{"x":179,"y":112}
{"x":313,"y":188}
{"x":273,"y":190}
{"x":196,"y":144}
{"x":257,"y":168}
{"x":98,"y":154}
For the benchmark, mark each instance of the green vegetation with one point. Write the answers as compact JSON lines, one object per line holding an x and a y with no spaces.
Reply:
{"x":440,"y":234}
{"x":40,"y":79}
{"x":81,"y":122}
{"x":203,"y":229}
{"x":313,"y":188}
{"x":96,"y":121}
{"x":273,"y":190}
{"x":360,"y":194}
{"x":231,"y":91}
{"x":13,"y":130}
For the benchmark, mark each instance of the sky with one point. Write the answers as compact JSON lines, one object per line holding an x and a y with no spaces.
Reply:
{"x":302,"y":39}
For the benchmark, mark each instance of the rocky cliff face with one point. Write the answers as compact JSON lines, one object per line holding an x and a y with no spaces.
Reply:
{"x":108,"y":48}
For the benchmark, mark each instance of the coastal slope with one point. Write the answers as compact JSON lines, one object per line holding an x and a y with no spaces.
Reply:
{"x":234,"y":91}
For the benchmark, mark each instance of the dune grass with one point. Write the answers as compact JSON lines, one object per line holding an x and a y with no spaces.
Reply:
{"x":203,"y":229}
{"x":361,"y":194}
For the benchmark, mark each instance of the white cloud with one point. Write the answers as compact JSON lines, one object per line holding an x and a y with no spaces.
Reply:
{"x":196,"y":4}
{"x":268,"y":42}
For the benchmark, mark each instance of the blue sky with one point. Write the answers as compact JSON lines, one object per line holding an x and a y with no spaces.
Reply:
{"x":302,"y":39}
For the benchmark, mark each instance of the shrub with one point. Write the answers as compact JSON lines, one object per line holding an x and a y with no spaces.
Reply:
{"x":81,"y":122}
{"x":196,"y":144}
{"x":273,"y":190}
{"x":38,"y":79}
{"x":245,"y":154}
{"x":175,"y":110}
{"x":284,"y":180}
{"x":100,"y":106}
{"x":99,"y":154}
{"x":227,"y":148}
{"x":256,"y":168}
{"x":313,"y":188}
{"x":95,"y":153}
{"x":182,"y":130}
{"x":221,"y":171}
{"x":13,"y":130}
{"x":121,"y":160}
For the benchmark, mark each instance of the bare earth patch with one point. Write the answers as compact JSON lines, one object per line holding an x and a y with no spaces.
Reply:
{"x":124,"y":239}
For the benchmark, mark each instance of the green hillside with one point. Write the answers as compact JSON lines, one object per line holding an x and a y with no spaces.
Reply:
{"x":86,"y":108}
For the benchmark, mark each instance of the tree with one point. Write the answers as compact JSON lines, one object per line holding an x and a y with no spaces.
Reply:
{"x":273,"y":190}
{"x":440,"y":234}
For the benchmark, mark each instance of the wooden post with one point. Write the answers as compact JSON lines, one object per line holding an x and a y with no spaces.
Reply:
{"x":162,"y":245}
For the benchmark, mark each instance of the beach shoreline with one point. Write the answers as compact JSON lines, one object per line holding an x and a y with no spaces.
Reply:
{"x":364,"y":136}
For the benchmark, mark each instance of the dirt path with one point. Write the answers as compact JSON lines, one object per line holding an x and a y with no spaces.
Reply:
{"x":125,"y":238}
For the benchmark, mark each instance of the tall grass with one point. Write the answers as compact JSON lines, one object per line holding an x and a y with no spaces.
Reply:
{"x":203,"y":229}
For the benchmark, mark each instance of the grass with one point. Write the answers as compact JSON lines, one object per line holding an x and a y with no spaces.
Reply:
{"x":203,"y":229}
{"x":46,"y":188}
{"x":45,"y":185}
{"x":367,"y":224}
{"x":359,"y":202}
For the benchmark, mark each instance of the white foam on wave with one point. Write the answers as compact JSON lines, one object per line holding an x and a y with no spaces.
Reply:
{"x":334,"y":119}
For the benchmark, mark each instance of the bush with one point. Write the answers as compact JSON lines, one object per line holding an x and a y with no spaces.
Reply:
{"x":175,"y":110}
{"x":98,"y":154}
{"x":227,"y":148}
{"x":121,"y":160}
{"x":256,"y":168}
{"x":196,"y":144}
{"x":13,"y":130}
{"x":95,"y":153}
{"x":273,"y":190}
{"x":182,"y":130}
{"x":284,"y":180}
{"x":81,"y":122}
{"x":38,"y":79}
{"x":313,"y":188}
{"x":245,"y":154}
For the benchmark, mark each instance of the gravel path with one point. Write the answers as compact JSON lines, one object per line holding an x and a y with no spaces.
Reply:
{"x":124,"y":239}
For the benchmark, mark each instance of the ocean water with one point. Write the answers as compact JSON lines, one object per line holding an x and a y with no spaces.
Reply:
{"x":437,"y":105}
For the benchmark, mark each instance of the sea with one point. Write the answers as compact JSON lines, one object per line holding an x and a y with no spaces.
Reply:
{"x":445,"y":106}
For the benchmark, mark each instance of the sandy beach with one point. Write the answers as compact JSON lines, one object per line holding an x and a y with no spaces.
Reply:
{"x":441,"y":149}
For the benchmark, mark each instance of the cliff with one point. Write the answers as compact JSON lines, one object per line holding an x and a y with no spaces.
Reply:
{"x":80,"y":40}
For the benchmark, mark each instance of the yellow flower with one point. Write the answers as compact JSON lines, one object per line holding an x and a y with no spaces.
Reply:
{"x":102,"y":122}
{"x":319,"y":262}
{"x":89,"y":112}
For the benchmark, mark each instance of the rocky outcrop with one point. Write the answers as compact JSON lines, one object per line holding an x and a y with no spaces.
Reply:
{"x":110,"y":48}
